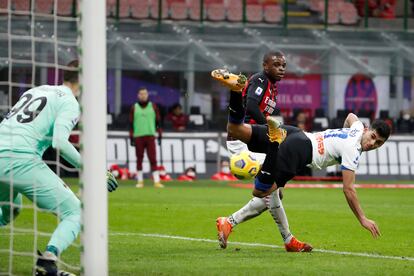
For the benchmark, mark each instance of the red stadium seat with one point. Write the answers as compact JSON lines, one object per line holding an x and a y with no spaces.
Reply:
{"x":349,"y":14}
{"x":178,"y":9}
{"x":317,"y":5}
{"x":154,"y":9}
{"x":139,"y":9}
{"x":65,"y":7}
{"x":194,"y":9}
{"x":234,"y":10}
{"x":272,"y":13}
{"x":215,"y":10}
{"x":254,"y":13}
{"x":21,"y":5}
{"x":124,"y":8}
{"x":333,"y":15}
{"x":4,"y":7}
{"x":44,"y":6}
{"x":111,"y":8}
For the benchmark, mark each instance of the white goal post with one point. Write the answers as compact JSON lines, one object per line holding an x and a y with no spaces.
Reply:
{"x":92,"y":53}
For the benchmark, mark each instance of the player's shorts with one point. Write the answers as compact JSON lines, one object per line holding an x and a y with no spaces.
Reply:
{"x":29,"y":175}
{"x":237,"y":146}
{"x":294,"y":154}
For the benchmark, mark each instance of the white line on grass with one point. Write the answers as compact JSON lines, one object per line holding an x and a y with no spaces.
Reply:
{"x":368,"y":255}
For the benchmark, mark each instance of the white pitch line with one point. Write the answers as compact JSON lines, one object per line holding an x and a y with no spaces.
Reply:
{"x":368,"y":255}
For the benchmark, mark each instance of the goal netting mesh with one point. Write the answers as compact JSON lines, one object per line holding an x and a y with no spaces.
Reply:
{"x":38,"y":38}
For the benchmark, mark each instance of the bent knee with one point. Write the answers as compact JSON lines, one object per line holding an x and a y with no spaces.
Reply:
{"x":261,"y":192}
{"x":71,"y":207}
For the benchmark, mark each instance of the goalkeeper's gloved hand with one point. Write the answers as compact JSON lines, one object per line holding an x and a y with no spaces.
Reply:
{"x":111,"y":181}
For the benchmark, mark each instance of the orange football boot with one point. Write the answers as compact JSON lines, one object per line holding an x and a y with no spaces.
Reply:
{"x":232,"y":81}
{"x":275,"y":133}
{"x":297,"y":246}
{"x":223,"y":230}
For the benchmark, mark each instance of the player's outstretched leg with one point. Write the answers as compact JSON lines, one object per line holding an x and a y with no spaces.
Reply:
{"x":279,"y":216}
{"x":225,"y":225}
{"x":264,"y":181}
{"x":232,"y":81}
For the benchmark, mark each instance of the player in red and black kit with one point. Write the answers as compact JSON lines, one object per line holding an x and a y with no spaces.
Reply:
{"x":259,"y":98}
{"x":260,"y":93}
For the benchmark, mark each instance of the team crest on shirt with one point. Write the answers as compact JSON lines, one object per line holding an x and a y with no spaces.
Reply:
{"x":258,"y":91}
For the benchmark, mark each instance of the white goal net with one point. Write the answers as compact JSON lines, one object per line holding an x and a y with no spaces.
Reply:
{"x":38,"y":38}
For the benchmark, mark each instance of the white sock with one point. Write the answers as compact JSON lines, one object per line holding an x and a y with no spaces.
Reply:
{"x":278,"y":213}
{"x":140,"y":176}
{"x":50,"y":256}
{"x":156,"y":176}
{"x":252,"y":209}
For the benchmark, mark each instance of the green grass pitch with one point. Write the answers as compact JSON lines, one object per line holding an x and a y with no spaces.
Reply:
{"x":188,"y":210}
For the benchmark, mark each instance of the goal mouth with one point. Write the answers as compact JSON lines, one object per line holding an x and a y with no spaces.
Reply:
{"x":39,"y":39}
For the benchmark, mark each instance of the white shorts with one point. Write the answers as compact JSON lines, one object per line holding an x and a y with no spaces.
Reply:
{"x":237,"y":146}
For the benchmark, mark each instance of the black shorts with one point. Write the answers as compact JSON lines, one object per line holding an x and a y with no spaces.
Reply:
{"x":293,"y":155}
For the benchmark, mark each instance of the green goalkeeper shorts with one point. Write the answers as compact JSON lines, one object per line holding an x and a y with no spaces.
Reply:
{"x":29,"y":175}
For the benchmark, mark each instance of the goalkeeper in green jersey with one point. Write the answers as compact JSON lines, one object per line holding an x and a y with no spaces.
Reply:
{"x":44,"y":116}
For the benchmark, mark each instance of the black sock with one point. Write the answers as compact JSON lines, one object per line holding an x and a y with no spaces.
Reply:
{"x":236,"y":108}
{"x":268,"y":168}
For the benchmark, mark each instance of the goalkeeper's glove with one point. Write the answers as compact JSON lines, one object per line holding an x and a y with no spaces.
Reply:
{"x":111,"y":181}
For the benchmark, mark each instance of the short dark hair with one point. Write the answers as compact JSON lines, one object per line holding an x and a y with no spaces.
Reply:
{"x":72,"y":76}
{"x":270,"y":54}
{"x":142,"y":88}
{"x":382,"y":128}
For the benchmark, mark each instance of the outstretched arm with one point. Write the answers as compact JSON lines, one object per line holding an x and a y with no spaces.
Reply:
{"x":353,"y":202}
{"x":67,"y":150}
{"x":350,"y":119}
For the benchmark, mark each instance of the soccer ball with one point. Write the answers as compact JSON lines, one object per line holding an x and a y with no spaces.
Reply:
{"x":244,"y":165}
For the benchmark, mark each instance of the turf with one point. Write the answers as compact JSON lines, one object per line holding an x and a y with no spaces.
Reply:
{"x":318,"y":216}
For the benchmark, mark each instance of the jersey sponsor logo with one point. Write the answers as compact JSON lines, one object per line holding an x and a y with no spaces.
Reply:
{"x":270,"y":102}
{"x":319,"y":141}
{"x":339,"y":133}
{"x":270,"y":105}
{"x":269,"y":109}
{"x":258,"y":91}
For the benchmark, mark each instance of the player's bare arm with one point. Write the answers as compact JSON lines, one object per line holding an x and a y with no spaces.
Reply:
{"x":350,"y":119}
{"x":353,"y":202}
